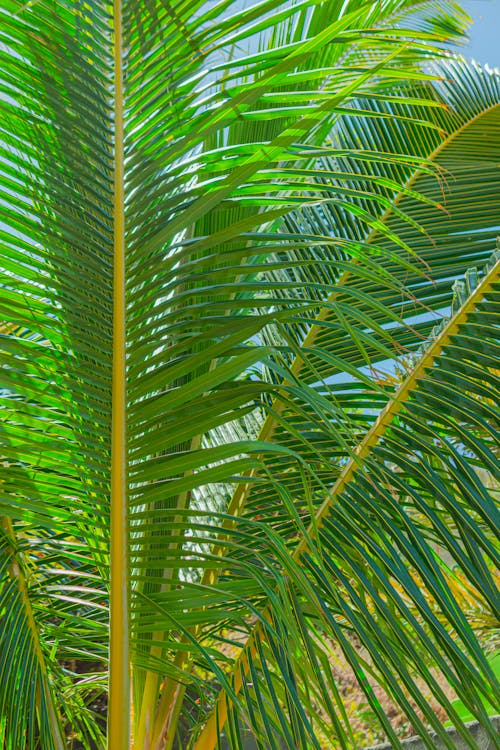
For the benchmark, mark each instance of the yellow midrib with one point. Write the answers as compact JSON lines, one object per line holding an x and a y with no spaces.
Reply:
{"x":43,"y":683}
{"x":119,"y":669}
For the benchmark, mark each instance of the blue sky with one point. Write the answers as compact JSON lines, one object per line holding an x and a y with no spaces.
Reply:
{"x":484,"y":43}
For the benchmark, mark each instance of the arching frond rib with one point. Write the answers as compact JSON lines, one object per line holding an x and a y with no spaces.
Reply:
{"x":398,"y":400}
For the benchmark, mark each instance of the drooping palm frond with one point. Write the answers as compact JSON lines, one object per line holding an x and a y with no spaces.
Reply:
{"x":368,"y":561}
{"x":220,"y":112}
{"x":446,"y":232}
{"x":358,"y":390}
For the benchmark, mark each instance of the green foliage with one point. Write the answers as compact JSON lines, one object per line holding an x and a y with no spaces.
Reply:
{"x":303,"y":184}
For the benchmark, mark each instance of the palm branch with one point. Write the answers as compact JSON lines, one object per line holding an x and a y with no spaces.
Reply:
{"x":170,"y":425}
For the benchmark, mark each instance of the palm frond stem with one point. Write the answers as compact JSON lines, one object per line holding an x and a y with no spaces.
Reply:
{"x":119,"y":671}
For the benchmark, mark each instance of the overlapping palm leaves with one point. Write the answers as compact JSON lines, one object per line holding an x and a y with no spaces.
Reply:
{"x":254,"y":335}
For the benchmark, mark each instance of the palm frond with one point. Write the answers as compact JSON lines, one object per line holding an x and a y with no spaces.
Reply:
{"x":369,"y":564}
{"x":55,"y":252}
{"x":252,"y":325}
{"x":400,"y":312}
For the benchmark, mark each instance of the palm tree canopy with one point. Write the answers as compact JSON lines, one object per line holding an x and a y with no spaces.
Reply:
{"x":249,"y":360}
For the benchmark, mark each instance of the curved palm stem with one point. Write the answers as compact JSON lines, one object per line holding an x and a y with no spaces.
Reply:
{"x":45,"y":701}
{"x":208,"y":738}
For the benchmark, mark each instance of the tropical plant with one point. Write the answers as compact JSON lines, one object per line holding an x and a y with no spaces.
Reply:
{"x":222,"y":227}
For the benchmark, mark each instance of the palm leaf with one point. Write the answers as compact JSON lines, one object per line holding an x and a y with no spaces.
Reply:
{"x":147,"y":318}
{"x":56,"y":153}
